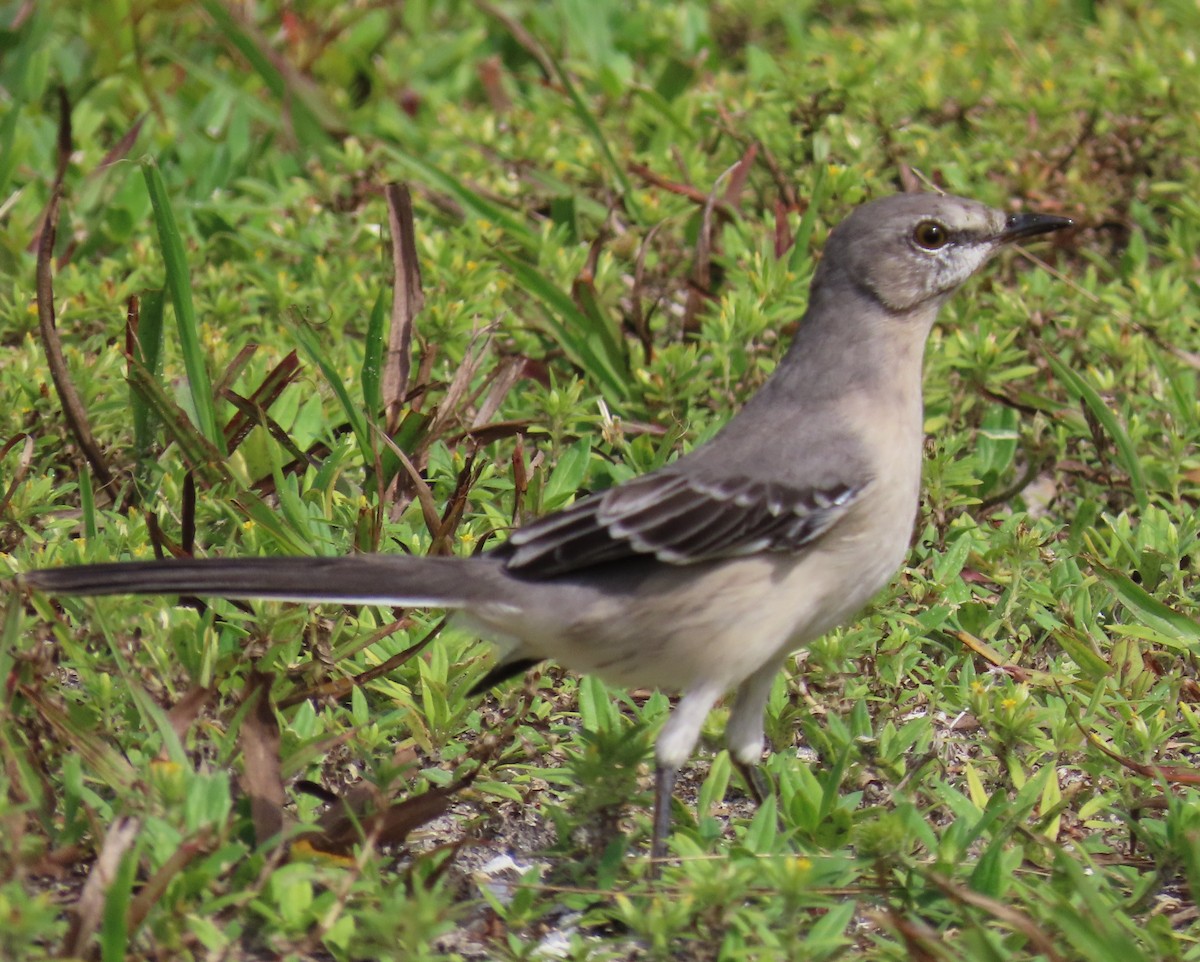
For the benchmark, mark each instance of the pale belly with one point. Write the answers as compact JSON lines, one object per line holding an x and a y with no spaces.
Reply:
{"x":680,"y":627}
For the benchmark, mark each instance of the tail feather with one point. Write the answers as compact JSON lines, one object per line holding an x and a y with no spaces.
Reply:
{"x":356,"y":579}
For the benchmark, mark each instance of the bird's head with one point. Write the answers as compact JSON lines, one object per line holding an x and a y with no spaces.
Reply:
{"x":911,"y":250}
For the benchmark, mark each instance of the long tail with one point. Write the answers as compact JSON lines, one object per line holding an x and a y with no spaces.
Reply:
{"x":356,"y":579}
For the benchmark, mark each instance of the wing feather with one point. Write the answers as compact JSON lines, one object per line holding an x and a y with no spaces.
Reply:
{"x":678,"y":519}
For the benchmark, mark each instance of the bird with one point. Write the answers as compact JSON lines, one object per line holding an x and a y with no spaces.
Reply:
{"x":702,"y":576}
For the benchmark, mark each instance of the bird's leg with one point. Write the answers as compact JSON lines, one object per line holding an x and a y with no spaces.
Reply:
{"x":664,"y":788}
{"x":744,"y":732}
{"x":756,"y":780}
{"x":675,"y":744}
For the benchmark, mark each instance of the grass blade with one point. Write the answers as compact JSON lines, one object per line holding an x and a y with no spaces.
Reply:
{"x":373,"y":356}
{"x":511,"y":226}
{"x":1083,"y":391}
{"x":302,"y":102}
{"x":29,"y":41}
{"x":8,"y":152}
{"x":587,"y":344}
{"x":179,"y":283}
{"x":146,"y":347}
{"x":201,"y":456}
{"x":592,"y":126}
{"x":1154,"y":614}
{"x":312,"y":347}
{"x":801,"y":254}
{"x":550,"y":64}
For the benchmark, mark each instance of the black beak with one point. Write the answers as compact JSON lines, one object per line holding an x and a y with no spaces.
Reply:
{"x":1020,"y":226}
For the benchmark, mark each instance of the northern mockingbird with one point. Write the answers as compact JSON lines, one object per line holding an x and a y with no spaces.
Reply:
{"x":701,"y":576}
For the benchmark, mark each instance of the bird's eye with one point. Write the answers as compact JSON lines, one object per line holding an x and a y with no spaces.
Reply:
{"x":931,"y":235}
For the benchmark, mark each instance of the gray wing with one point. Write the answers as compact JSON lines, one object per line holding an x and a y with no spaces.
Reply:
{"x":678,"y":519}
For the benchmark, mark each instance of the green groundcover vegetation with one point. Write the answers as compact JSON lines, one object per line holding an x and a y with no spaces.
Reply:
{"x":616,"y":210}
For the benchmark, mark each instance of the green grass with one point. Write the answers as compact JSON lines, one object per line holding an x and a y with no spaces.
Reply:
{"x":995,"y":763}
